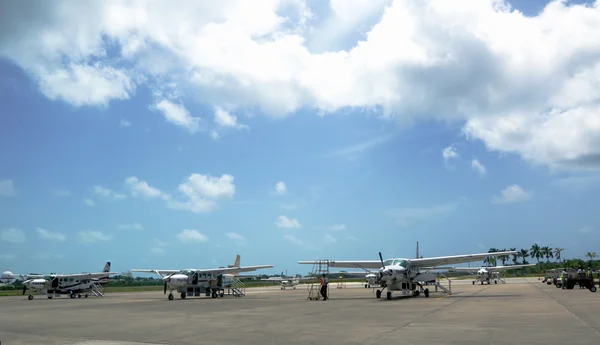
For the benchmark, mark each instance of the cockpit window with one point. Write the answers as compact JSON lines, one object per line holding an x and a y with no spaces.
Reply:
{"x":388,"y":262}
{"x":400,"y":262}
{"x":188,"y":273}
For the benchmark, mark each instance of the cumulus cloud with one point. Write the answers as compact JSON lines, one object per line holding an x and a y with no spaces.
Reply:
{"x":477,"y":166}
{"x":449,"y":153}
{"x":237,"y":238}
{"x":178,"y":115}
{"x":188,"y":236}
{"x":511,"y":194}
{"x":12,"y":235}
{"x":7,"y":188}
{"x":287,"y":223}
{"x":202,"y":192}
{"x":51,"y":235}
{"x":143,"y":189}
{"x":92,"y":236}
{"x":224,"y":119}
{"x":521,"y":84}
{"x":107,"y":193}
{"x":280,"y":188}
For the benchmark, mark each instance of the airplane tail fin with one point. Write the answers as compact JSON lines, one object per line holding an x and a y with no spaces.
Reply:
{"x":418,"y":250}
{"x":236,"y":263}
{"x":107,"y":267}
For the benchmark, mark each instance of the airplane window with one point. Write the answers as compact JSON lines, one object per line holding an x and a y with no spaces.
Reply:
{"x":388,"y":262}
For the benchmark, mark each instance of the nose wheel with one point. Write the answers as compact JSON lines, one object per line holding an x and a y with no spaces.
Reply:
{"x":171,"y":297}
{"x":30,"y":297}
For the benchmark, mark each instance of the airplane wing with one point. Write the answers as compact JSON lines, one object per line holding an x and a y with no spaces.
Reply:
{"x":455,"y":259}
{"x":86,"y":275}
{"x":364,"y":264}
{"x":159,"y":272}
{"x":504,"y":268}
{"x":233,"y":269}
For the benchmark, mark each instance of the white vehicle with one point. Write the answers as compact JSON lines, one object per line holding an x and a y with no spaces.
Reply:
{"x":194,"y":281}
{"x":73,"y":285}
{"x":402,"y":274}
{"x":488,"y":274}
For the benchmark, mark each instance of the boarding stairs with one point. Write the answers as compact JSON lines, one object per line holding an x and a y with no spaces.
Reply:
{"x":238,"y":288}
{"x":320,"y":267}
{"x":439,"y":286}
{"x":97,"y":290}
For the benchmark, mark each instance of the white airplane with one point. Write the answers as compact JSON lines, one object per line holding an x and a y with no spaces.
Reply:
{"x":487,"y":274}
{"x":402,"y":274}
{"x":194,"y":282}
{"x":74,"y":285}
{"x":287,"y":282}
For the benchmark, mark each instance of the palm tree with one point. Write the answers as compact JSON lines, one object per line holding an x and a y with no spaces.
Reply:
{"x":503,"y":258}
{"x":591,"y":255}
{"x":536,"y":252}
{"x":557,"y":252}
{"x":547,"y":253}
{"x":489,"y":260}
{"x":524,"y":253}
{"x":514,"y":256}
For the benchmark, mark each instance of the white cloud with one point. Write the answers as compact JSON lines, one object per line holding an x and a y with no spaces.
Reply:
{"x":280,"y":188}
{"x":107,"y":193}
{"x":516,"y":82}
{"x":202,"y":191}
{"x":191,"y":236}
{"x":91,"y":236}
{"x":159,"y":247}
{"x":133,"y":226}
{"x":354,"y":151}
{"x":449,"y":153}
{"x":51,"y":235}
{"x":237,"y":238}
{"x":409,"y":215}
{"x":224,"y":119}
{"x":511,"y":194}
{"x":124,"y":123}
{"x":477,"y":166}
{"x":143,"y":189}
{"x":329,"y":239}
{"x":178,"y":115}
{"x":89,"y":202}
{"x":12,"y":235}
{"x":214,"y":135}
{"x":293,"y":239}
{"x":287,"y":223}
{"x":7,"y":188}
{"x":336,"y":227}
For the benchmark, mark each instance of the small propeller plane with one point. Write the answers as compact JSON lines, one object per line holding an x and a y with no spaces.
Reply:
{"x":402,"y":274}
{"x":487,"y":274}
{"x":196,"y":281}
{"x":287,"y":282}
{"x":74,"y":285}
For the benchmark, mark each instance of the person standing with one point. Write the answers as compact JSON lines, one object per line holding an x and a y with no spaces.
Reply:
{"x":324,"y":282}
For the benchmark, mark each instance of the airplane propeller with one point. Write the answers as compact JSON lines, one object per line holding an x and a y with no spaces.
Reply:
{"x":382,"y":266}
{"x":165,"y":291}
{"x":24,"y":288}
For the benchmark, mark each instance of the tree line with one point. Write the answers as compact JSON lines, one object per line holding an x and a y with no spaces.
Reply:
{"x":539,"y":253}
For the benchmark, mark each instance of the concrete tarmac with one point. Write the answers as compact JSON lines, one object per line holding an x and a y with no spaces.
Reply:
{"x":518,"y":312}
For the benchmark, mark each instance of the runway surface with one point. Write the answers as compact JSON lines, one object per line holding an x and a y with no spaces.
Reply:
{"x":518,"y":312}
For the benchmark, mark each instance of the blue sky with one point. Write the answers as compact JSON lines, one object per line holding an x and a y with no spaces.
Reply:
{"x":170,"y":156}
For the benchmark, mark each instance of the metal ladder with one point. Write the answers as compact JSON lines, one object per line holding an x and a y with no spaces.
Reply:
{"x":439,"y":285}
{"x":238,"y":288}
{"x":97,"y":290}
{"x":320,"y":267}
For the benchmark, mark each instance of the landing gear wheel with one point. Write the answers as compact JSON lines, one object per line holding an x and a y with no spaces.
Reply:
{"x":473,"y":282}
{"x":426,"y":292}
{"x":416,"y":293}
{"x":86,"y":295}
{"x":593,"y":289}
{"x":389,"y":295}
{"x":378,"y":293}
{"x":214,"y":294}
{"x":49,"y":297}
{"x":183,"y":295}
{"x":495,"y":282}
{"x":170,"y":297}
{"x":366,"y":286}
{"x":78,"y":295}
{"x":30,"y":297}
{"x":72,"y":295}
{"x":222,"y":294}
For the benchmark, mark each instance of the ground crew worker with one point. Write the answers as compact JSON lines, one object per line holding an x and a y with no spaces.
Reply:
{"x":324,"y":282}
{"x":563,"y":279}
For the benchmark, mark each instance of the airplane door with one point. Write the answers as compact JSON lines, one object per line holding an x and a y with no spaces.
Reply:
{"x":195,"y":279}
{"x":54,"y":283}
{"x":220,"y":280}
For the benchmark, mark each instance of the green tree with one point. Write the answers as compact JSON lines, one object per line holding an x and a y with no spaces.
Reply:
{"x":515,"y":257}
{"x":524,"y":253}
{"x":536,"y":252}
{"x":557,"y":252}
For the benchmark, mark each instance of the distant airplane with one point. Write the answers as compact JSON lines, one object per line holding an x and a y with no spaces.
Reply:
{"x":74,"y":285}
{"x":487,"y":274}
{"x":402,"y":274}
{"x":287,"y":281}
{"x":197,"y":281}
